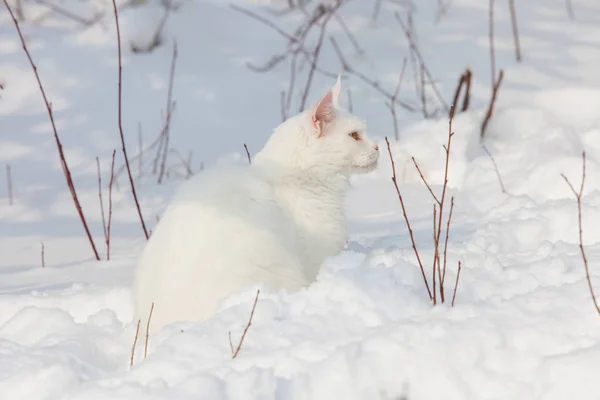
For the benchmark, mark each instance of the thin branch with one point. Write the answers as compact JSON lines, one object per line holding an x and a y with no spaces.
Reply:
{"x":148,"y":331}
{"x":110,"y":185}
{"x":578,"y":195}
{"x":495,"y":169}
{"x":248,"y":154}
{"x":135,"y":339}
{"x":282,"y":101}
{"x":443,"y":277}
{"x":392,"y":104}
{"x":425,"y":181}
{"x":43,"y":256}
{"x":123,"y":148}
{"x":63,"y":161}
{"x":456,"y":283}
{"x":348,"y":33}
{"x":515,"y":28}
{"x":100,"y":197}
{"x":239,"y":346}
{"x":70,"y":15}
{"x":169,"y":111}
{"x":412,"y":238}
{"x":490,"y":109}
{"x":464,"y":80}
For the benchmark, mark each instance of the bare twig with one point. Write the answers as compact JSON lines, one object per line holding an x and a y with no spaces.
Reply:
{"x":283,"y":109}
{"x":490,"y":109}
{"x":495,"y":169}
{"x":412,"y":238}
{"x":248,"y":153}
{"x":123,"y":148}
{"x":456,"y":283}
{"x":148,"y":330}
{"x":9,"y":186}
{"x":424,"y":180}
{"x":578,"y":195}
{"x":137,"y":332}
{"x":515,"y":28}
{"x":110,"y":185}
{"x":169,"y":111}
{"x":43,"y":255}
{"x":100,"y":198}
{"x":63,"y":161}
{"x":70,"y":15}
{"x":392,"y":104}
{"x":239,"y":346}
{"x":443,"y":277}
{"x":348,"y":33}
{"x":464,"y":80}
{"x":491,"y":39}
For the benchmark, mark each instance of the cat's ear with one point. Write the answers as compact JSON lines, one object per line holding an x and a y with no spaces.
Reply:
{"x":323,"y":112}
{"x":337,"y":88}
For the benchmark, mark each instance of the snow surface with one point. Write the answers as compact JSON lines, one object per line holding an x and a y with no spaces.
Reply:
{"x":523,"y":327}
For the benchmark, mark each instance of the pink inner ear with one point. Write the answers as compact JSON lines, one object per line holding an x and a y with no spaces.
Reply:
{"x":324,"y":111}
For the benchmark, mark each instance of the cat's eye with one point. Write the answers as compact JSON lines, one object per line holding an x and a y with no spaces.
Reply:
{"x":355,"y":136}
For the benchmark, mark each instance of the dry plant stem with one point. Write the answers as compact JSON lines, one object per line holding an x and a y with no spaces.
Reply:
{"x":65,"y":13}
{"x":495,"y":169}
{"x":392,"y":104}
{"x":248,"y":154}
{"x":43,"y":255}
{"x":148,"y":331}
{"x":578,"y":195}
{"x":137,"y":332}
{"x":515,"y":29}
{"x":123,"y":148}
{"x":348,"y":33}
{"x":435,"y":246}
{"x":491,"y":39}
{"x":410,"y":232}
{"x":239,"y":346}
{"x":490,"y":109}
{"x":416,"y":51}
{"x":424,"y":180}
{"x":100,"y":198}
{"x":169,"y":110}
{"x":9,"y":185}
{"x":110,"y":185}
{"x":231,"y":343}
{"x":63,"y":161}
{"x":443,"y":277}
{"x":456,"y":283}
{"x":374,"y":84}
{"x":464,"y":80}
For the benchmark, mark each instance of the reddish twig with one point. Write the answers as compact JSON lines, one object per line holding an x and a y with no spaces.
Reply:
{"x":63,"y":161}
{"x":515,"y":28}
{"x":248,"y":153}
{"x":123,"y":148}
{"x":100,"y":198}
{"x":490,"y":109}
{"x":239,"y":346}
{"x":137,"y":332}
{"x":410,"y":231}
{"x":169,"y":111}
{"x":464,"y":80}
{"x":443,"y":277}
{"x":110,"y":185}
{"x":578,"y":195}
{"x":495,"y":169}
{"x":424,"y":180}
{"x":392,"y":104}
{"x":435,"y":246}
{"x":456,"y":283}
{"x":9,"y":185}
{"x":148,"y":331}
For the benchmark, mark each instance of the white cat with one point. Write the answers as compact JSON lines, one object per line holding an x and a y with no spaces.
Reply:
{"x":273,"y":222}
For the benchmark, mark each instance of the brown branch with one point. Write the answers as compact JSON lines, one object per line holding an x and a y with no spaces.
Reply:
{"x":435,"y":246}
{"x":63,"y":161}
{"x":456,"y":283}
{"x":425,"y":181}
{"x":490,"y":109}
{"x":9,"y":185}
{"x":464,"y":80}
{"x":495,"y":169}
{"x":100,"y":198}
{"x":123,"y":148}
{"x":43,"y":256}
{"x":137,"y":331}
{"x":110,"y":185}
{"x":248,"y":154}
{"x":148,"y":331}
{"x":169,"y":111}
{"x":491,"y":39}
{"x":392,"y":104}
{"x":374,"y":84}
{"x":443,"y":277}
{"x":239,"y":346}
{"x":578,"y":195}
{"x":515,"y":28}
{"x":412,"y":238}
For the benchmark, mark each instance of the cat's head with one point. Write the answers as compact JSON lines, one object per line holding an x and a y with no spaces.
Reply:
{"x":324,"y":139}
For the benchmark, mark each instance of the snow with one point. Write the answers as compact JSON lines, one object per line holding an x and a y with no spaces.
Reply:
{"x":524,"y":325}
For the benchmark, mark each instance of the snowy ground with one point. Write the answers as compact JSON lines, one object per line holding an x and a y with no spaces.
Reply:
{"x":523,"y":327}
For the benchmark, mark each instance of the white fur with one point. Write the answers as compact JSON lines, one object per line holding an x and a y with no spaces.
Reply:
{"x":273,"y":222}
